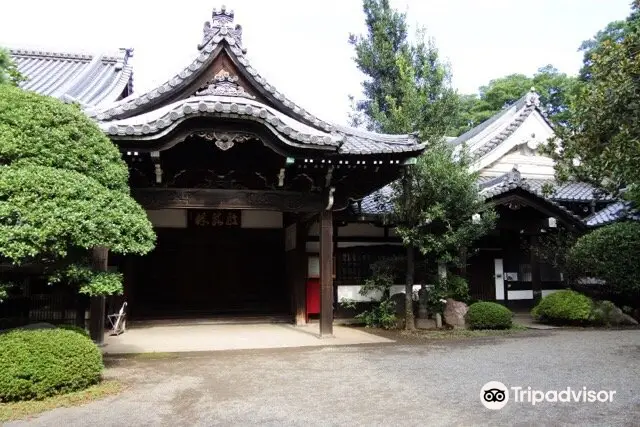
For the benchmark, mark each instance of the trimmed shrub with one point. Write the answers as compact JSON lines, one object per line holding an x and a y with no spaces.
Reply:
{"x":564,"y":307}
{"x":74,"y":328}
{"x":35,"y":364}
{"x":611,"y":254}
{"x":489,"y":315}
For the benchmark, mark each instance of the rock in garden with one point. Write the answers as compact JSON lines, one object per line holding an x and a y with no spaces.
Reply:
{"x":607,"y":313}
{"x":454,"y":313}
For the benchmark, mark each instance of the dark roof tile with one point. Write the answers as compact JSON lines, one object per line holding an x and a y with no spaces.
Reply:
{"x":87,"y":79}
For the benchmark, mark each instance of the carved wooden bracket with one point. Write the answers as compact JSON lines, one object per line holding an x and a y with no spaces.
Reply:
{"x":225,"y":140}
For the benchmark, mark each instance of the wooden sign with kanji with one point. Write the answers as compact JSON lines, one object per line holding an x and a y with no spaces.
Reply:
{"x":214,"y":218}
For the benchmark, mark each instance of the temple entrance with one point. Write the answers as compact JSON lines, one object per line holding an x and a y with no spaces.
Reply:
{"x":212,"y":272}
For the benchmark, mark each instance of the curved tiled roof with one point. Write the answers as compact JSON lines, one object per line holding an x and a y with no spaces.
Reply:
{"x":159,"y":122}
{"x":87,"y":79}
{"x":512,"y":181}
{"x":491,"y":133}
{"x":614,"y":212}
{"x":378,"y":203}
{"x":219,"y":35}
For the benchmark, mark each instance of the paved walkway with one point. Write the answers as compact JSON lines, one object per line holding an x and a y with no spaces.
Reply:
{"x":212,"y":337}
{"x":526,"y":320}
{"x":427,"y":384}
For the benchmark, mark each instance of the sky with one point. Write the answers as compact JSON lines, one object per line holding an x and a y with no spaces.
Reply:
{"x":301,"y":47}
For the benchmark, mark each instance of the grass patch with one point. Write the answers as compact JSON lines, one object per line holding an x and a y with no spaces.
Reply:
{"x":438,"y":334}
{"x":19,"y":410}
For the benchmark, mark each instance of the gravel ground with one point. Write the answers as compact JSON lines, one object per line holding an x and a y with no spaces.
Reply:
{"x":429,"y":383}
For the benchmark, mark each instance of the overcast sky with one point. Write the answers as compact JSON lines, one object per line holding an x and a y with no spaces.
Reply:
{"x":301,"y":46}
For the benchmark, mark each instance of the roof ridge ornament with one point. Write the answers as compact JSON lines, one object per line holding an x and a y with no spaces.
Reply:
{"x":223,"y":84}
{"x":533,"y":98}
{"x":221,"y":24}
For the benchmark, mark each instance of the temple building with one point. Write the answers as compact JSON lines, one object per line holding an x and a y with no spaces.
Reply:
{"x":232,"y":173}
{"x":262,"y":208}
{"x":518,"y":180}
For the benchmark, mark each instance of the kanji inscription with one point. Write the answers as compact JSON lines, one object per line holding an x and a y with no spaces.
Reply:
{"x":214,"y":218}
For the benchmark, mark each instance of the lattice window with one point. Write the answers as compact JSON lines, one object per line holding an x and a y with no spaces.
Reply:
{"x":353,"y":265}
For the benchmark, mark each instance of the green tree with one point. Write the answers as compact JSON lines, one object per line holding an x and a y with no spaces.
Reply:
{"x":63,"y":190}
{"x":408,"y":90}
{"x":408,"y":87}
{"x":611,"y":254}
{"x":8,"y":71}
{"x":555,"y":90}
{"x":601,"y":142}
{"x":437,"y":211}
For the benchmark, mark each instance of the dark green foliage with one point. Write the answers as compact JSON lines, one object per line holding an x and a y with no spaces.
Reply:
{"x":612,"y":254}
{"x":564,"y":307}
{"x":452,"y":286}
{"x":408,"y":90}
{"x":600,"y":145}
{"x":555,"y":89}
{"x":76,"y":329}
{"x":408,"y":87}
{"x":63,"y":189}
{"x":42,"y":131}
{"x":381,"y":315}
{"x":553,"y":247}
{"x":45,"y":212}
{"x":9,"y":73}
{"x":89,"y":282}
{"x":35,"y":364}
{"x":435,"y":203}
{"x":489,"y":315}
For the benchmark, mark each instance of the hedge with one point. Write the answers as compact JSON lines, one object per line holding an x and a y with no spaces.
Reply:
{"x":489,"y":315}
{"x":35,"y":364}
{"x":564,"y":307}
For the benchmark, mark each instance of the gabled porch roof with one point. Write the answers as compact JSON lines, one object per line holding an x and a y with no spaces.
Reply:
{"x":221,"y":83}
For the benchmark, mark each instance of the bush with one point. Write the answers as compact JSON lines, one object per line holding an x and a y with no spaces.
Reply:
{"x":35,"y":364}
{"x":489,"y":315}
{"x":381,"y":315}
{"x":451,"y":286}
{"x":611,"y":254}
{"x":563,"y":307}
{"x":77,"y":329}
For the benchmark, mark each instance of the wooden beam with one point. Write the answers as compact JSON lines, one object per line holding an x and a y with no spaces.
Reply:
{"x":367,"y":239}
{"x":204,"y":198}
{"x":326,"y":274}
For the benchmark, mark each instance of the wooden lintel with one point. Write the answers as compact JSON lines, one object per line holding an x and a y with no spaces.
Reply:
{"x":367,"y":239}
{"x":197,"y":198}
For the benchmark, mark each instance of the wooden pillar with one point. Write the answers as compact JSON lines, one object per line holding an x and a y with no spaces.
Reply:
{"x":299,"y":272}
{"x":536,"y":283}
{"x":97,"y":305}
{"x":334,"y":261}
{"x":326,"y":274}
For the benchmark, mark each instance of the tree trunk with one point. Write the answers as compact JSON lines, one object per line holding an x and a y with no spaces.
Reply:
{"x":408,"y":297}
{"x":97,"y":305}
